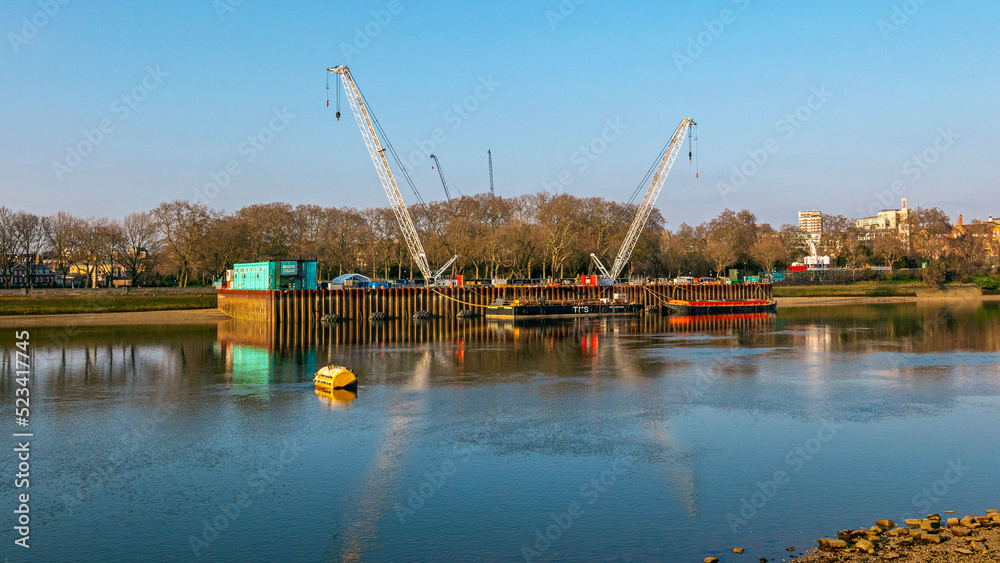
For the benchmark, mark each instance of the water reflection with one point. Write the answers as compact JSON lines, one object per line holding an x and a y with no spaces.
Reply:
{"x":705,"y":407}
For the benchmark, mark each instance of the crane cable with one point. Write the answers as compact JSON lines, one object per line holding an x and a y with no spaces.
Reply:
{"x":402,"y":169}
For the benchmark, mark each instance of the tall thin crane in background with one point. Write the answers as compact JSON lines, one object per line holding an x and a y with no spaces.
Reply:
{"x":441,"y":173}
{"x":367,"y":126}
{"x":489,"y":153}
{"x":642,"y":216}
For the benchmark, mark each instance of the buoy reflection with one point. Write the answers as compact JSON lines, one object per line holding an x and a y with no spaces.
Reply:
{"x":336,"y":399}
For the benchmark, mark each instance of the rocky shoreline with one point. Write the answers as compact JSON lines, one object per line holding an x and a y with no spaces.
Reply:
{"x":971,"y":538}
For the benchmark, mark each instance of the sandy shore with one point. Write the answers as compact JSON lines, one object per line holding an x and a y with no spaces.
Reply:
{"x":187,"y":316}
{"x":786,"y":302}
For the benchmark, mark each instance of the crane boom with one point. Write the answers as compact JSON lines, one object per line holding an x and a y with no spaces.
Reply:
{"x":377,"y":153}
{"x":441,"y":173}
{"x":649,"y":201}
{"x":489,"y":153}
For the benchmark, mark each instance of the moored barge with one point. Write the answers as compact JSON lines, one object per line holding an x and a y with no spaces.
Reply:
{"x":562,"y":309}
{"x":692,"y":308}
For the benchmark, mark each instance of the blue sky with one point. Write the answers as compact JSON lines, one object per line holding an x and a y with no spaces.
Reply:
{"x":897,"y":81}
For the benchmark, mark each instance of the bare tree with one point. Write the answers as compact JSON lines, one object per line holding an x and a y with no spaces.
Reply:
{"x":29,"y":236}
{"x":183,"y":226}
{"x":138,"y":244}
{"x":890,"y":248}
{"x":768,"y":251}
{"x":62,"y":232}
{"x":8,"y":245}
{"x":721,"y":253}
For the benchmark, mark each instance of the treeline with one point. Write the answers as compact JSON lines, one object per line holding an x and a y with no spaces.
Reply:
{"x":538,"y":236}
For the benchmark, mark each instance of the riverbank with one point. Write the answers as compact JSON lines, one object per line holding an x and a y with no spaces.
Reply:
{"x":789,"y":302}
{"x":170,"y":317}
{"x":940,"y":538}
{"x":117,"y":300}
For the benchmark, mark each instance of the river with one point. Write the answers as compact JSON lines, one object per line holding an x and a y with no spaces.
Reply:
{"x":602,"y":440}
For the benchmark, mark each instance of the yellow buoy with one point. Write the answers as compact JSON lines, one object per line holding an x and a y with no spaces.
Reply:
{"x":335,"y":377}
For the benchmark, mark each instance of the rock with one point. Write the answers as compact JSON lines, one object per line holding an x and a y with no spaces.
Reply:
{"x":866,"y":546}
{"x":711,"y":560}
{"x":949,"y":511}
{"x":963,"y":551}
{"x":933,"y":517}
{"x":930,"y":538}
{"x":960,"y":531}
{"x":992,"y":511}
{"x":789,"y":549}
{"x":762,"y":560}
{"x":830,"y":543}
{"x":900,"y":531}
{"x":929,"y":525}
{"x":885,"y":524}
{"x":913,"y":522}
{"x":952,"y":522}
{"x":996,"y":518}
{"x":845,"y":534}
{"x":979,"y":546}
{"x":737,"y":550}
{"x":890,"y":556}
{"x":984,"y":519}
{"x":875,"y":530}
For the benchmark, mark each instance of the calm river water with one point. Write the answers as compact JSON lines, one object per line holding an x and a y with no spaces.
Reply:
{"x":627,"y":440}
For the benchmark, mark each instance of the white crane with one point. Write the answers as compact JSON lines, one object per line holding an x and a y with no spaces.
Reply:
{"x":377,"y":153}
{"x":648,"y":202}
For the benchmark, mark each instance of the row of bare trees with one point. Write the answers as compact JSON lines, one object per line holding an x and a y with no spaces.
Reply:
{"x":531,"y":236}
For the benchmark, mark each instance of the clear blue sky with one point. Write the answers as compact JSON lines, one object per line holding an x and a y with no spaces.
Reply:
{"x":559,"y":79}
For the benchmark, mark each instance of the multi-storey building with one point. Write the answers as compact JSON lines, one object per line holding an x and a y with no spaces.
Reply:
{"x":887,"y":221}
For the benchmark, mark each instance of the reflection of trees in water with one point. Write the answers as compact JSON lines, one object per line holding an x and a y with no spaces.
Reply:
{"x":913,"y":327}
{"x":83,"y":362}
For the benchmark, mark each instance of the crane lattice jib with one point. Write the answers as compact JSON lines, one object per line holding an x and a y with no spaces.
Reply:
{"x":384,"y":173}
{"x":649,"y":201}
{"x":441,"y":174}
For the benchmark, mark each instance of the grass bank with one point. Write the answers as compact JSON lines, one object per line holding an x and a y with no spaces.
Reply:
{"x":40,"y":304}
{"x":860,"y":289}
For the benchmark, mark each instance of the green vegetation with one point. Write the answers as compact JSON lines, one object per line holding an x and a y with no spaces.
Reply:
{"x":41,"y":305}
{"x":987,"y":282}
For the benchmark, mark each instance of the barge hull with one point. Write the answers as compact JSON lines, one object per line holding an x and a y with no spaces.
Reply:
{"x":562,"y":311}
{"x":694,"y":308}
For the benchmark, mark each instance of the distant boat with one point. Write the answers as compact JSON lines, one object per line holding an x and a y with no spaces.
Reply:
{"x":335,"y":377}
